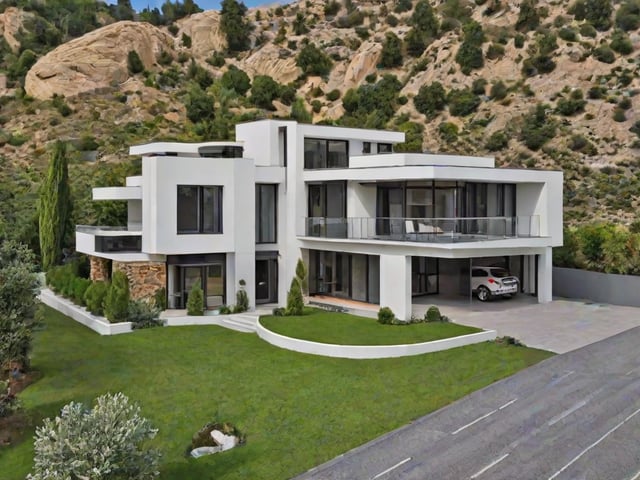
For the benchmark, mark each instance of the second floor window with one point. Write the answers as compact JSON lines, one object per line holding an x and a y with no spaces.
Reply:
{"x":321,"y":153}
{"x":385,"y":148}
{"x":266,"y":213}
{"x":199,"y":209}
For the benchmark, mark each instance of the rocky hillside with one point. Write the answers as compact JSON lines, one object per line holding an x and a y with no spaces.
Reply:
{"x":538,"y":84}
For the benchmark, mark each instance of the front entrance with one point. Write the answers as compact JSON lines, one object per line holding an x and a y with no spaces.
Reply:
{"x":267,"y":280}
{"x":211,"y":278}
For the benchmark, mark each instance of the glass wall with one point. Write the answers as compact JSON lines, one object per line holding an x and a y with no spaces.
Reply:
{"x":266,"y":213}
{"x":327,"y":204}
{"x":321,"y":153}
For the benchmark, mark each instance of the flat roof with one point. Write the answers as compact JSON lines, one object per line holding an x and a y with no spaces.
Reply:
{"x":177,"y":148}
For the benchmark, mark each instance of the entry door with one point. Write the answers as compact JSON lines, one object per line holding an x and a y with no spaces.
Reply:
{"x":190,"y":275}
{"x":266,"y":281}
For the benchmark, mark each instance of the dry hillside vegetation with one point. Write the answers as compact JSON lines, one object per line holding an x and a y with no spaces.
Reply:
{"x":537,"y":84}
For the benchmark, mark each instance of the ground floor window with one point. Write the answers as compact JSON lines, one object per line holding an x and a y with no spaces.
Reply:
{"x":345,"y":275}
{"x":185,"y":270}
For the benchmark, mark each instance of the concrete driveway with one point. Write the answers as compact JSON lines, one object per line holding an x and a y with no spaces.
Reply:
{"x":560,"y":326}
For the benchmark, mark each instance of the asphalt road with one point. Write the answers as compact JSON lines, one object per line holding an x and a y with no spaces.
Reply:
{"x":575,"y":416}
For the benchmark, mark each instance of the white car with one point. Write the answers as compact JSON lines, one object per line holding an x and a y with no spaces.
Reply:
{"x":488,"y":282}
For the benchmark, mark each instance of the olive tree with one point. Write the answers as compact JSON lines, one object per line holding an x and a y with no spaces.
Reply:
{"x":105,"y":442}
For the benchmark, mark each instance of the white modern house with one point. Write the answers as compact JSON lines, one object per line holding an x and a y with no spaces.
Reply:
{"x":371,"y":225}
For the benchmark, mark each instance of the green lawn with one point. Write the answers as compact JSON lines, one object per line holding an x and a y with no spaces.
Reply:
{"x":344,"y":329}
{"x":297,"y":410}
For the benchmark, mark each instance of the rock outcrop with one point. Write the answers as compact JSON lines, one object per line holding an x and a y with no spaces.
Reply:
{"x":96,"y":60}
{"x":11,"y":22}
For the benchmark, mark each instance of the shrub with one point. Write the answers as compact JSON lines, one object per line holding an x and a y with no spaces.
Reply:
{"x":80,"y":286}
{"x":469,"y":57}
{"x":462,"y":102}
{"x":333,"y":95}
{"x":537,"y":129}
{"x":116,"y":303}
{"x":479,"y":86}
{"x":628,"y":15}
{"x":195,"y":301}
{"x":160,"y":299}
{"x":295,"y":302}
{"x":134,"y":63}
{"x":572,"y":105}
{"x":313,"y":61}
{"x":186,"y":40}
{"x":391,"y":55}
{"x":528,"y":17}
{"x":497,"y":141}
{"x":94,"y":297}
{"x":242,"y":301}
{"x":331,"y":8}
{"x":619,"y":115}
{"x":263,"y":91}
{"x":604,"y":54}
{"x":386,"y":316}
{"x":518,"y":40}
{"x":507,"y":340}
{"x":430,"y":99}
{"x":143,"y":315}
{"x":587,"y":30}
{"x":432,"y":314}
{"x":567,"y":34}
{"x":236,"y":79}
{"x":498,"y":91}
{"x":495,"y":51}
{"x":8,"y":401}
{"x":448,"y":131}
{"x":278,"y":312}
{"x":621,"y":43}
{"x":104,"y":442}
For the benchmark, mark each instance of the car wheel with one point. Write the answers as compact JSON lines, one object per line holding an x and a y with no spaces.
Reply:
{"x":483,"y":294}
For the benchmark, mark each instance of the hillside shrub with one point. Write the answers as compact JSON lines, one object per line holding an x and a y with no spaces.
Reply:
{"x":430,"y":99}
{"x":195,"y":301}
{"x":333,"y":95}
{"x":537,"y":128}
{"x":94,"y":297}
{"x":448,"y":131}
{"x":621,"y":43}
{"x":143,"y":315}
{"x":528,"y":17}
{"x":264,"y":91}
{"x":116,"y":303}
{"x":432,"y":314}
{"x":479,"y":86}
{"x":628,"y":15}
{"x":391,"y":55}
{"x":604,"y":54}
{"x":134,"y":63}
{"x":313,"y":61}
{"x":568,"y":34}
{"x":237,"y":80}
{"x":462,"y":102}
{"x":619,"y":115}
{"x":587,"y":30}
{"x":572,"y":105}
{"x":386,"y":316}
{"x":497,"y":141}
{"x":498,"y":91}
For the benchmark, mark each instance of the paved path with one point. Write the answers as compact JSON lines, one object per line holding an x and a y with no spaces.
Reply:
{"x":559,"y":326}
{"x":573,"y":416}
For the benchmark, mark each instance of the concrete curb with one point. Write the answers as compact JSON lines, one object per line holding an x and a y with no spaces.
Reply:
{"x":370,"y":351}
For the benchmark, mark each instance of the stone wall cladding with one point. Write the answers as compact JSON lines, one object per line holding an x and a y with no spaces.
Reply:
{"x":99,"y":269}
{"x":145,"y":278}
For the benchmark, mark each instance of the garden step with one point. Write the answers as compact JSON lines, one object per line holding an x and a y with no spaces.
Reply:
{"x":241,"y":323}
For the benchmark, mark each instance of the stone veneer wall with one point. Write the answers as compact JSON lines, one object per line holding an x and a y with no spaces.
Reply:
{"x":99,"y":269}
{"x":145,"y":278}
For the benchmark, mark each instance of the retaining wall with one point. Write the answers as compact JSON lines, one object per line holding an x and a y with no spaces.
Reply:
{"x":597,"y":287}
{"x":81,"y":315}
{"x":371,"y":351}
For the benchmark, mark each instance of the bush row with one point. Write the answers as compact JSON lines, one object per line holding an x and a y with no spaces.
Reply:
{"x":387,"y":317}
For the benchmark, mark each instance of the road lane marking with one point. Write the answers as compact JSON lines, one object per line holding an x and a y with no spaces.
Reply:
{"x":474,"y":422}
{"x":392,"y":468}
{"x":562,"y":377}
{"x":492,"y":464}
{"x":636,"y":476}
{"x":627,"y":374}
{"x":577,"y":457}
{"x":507,"y":404}
{"x":566,"y":413}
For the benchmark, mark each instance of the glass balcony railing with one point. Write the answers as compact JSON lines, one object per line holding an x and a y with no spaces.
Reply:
{"x":426,"y":230}
{"x":109,"y":239}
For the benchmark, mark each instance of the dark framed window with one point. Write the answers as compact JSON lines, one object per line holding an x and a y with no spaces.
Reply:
{"x":320,"y":153}
{"x":199,"y":209}
{"x":385,"y":148}
{"x":266,"y":213}
{"x":366,"y":147}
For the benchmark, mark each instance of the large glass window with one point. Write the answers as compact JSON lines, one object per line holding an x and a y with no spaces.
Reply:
{"x":199,"y":209}
{"x":266,"y":213}
{"x":319,"y":153}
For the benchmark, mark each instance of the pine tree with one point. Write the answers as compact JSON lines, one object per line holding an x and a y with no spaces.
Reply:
{"x":55,"y":207}
{"x":234,"y":25}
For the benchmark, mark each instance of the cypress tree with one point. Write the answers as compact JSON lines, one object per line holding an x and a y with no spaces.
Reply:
{"x":55,"y":207}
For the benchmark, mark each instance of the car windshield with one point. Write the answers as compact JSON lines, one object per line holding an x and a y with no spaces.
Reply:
{"x":499,"y":272}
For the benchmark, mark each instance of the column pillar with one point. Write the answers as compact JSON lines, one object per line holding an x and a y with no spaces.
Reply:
{"x":545,"y":276}
{"x":395,"y":284}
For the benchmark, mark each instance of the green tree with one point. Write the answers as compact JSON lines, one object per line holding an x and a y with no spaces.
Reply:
{"x":528,"y":18}
{"x":134,"y":63}
{"x":537,"y":129}
{"x":264,"y":91}
{"x":313,"y":61}
{"x":301,"y":275}
{"x":299,"y":24}
{"x":295,"y":301}
{"x":470,"y":55}
{"x":55,"y":207}
{"x":18,"y":288}
{"x":391,"y":55}
{"x":106,"y":442}
{"x":116,"y":303}
{"x":430,"y":99}
{"x":462,"y":102}
{"x":426,"y":28}
{"x":236,"y":79}
{"x":299,"y":111}
{"x":199,"y":105}
{"x":195,"y":300}
{"x":598,"y":13}
{"x":234,"y":25}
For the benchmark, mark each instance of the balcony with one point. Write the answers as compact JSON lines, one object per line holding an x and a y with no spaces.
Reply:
{"x":423,"y":230}
{"x":101,"y":239}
